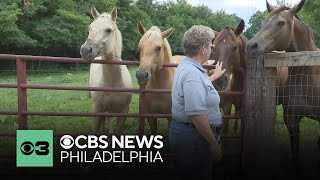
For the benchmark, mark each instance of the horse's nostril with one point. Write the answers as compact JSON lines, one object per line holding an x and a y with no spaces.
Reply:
{"x":254,"y":46}
{"x":145,"y":75}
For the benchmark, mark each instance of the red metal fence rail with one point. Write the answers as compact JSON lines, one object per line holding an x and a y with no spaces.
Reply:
{"x":22,"y":86}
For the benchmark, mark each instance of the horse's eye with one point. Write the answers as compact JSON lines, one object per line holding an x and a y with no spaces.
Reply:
{"x":281,"y":23}
{"x":158,"y":49}
{"x":108,"y":30}
{"x":235,"y":47}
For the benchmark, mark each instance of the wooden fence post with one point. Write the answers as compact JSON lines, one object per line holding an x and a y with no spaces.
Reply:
{"x":258,"y":155}
{"x":22,"y":92}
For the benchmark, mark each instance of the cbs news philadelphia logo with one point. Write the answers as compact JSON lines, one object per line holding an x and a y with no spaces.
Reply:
{"x":34,"y":148}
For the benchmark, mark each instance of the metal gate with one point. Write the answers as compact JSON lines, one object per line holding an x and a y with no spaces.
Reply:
{"x":22,"y":86}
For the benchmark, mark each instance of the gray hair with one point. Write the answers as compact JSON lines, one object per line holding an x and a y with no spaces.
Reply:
{"x":196,"y":37}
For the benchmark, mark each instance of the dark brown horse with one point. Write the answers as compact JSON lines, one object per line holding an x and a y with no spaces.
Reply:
{"x":282,"y":30}
{"x":230,"y":50}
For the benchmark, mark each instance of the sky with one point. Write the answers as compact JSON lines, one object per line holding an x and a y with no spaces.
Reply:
{"x":242,"y":8}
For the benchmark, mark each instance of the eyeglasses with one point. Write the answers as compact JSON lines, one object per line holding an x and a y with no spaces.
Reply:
{"x":210,"y":46}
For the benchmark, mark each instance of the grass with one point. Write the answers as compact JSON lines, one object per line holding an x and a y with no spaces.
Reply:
{"x":58,"y":101}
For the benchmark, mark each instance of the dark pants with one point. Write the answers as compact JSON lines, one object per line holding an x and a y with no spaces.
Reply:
{"x":193,"y":156}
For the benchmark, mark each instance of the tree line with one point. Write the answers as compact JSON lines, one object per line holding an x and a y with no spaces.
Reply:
{"x":59,"y":27}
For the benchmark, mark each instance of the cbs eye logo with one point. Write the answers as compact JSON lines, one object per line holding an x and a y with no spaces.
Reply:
{"x":66,"y":142}
{"x":40,"y":148}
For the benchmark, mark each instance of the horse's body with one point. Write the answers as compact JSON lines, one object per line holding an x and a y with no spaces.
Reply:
{"x":230,"y":50}
{"x":282,"y":30}
{"x":104,"y":42}
{"x":154,"y":52}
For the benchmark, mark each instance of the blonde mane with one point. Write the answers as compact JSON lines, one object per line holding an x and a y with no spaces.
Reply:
{"x":168,"y":51}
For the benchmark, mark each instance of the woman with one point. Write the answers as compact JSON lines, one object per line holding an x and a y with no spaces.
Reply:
{"x":195,"y":108}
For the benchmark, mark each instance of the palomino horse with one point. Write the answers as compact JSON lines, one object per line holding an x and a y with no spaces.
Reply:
{"x":154,"y":52}
{"x":282,"y":30}
{"x":230,"y":50}
{"x":105,"y":40}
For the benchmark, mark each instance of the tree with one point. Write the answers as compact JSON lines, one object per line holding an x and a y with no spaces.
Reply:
{"x":128,"y":16}
{"x":255,"y":22}
{"x":310,"y":14}
{"x":10,"y":33}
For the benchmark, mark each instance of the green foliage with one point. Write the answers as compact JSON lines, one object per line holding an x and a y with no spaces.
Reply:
{"x":310,"y":14}
{"x":128,"y":16}
{"x":255,"y":23}
{"x":58,"y":28}
{"x":10,"y":33}
{"x":68,"y":30}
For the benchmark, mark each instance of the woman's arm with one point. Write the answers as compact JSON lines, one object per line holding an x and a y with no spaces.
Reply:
{"x":202,"y":124}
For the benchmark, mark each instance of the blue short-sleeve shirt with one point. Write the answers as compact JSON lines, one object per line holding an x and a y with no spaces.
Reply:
{"x":194,"y":94}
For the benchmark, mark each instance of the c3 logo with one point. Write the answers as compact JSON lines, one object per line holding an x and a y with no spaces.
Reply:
{"x":34,"y":148}
{"x":27,"y":148}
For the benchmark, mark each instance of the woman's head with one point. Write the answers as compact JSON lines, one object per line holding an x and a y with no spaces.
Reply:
{"x":196,"y":38}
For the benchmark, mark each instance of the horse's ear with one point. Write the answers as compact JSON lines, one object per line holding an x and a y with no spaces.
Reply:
{"x":94,"y":12}
{"x":269,"y":7}
{"x":114,"y":13}
{"x":295,"y":9}
{"x":166,"y":33}
{"x":240,"y":28}
{"x":141,"y":29}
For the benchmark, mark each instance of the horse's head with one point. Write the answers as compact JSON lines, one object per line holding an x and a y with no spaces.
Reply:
{"x":277,"y":31}
{"x":104,"y":37}
{"x":229,"y":49}
{"x":152,"y":47}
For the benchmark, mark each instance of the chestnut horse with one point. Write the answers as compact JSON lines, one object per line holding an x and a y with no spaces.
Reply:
{"x":154,"y":52}
{"x":105,"y":40}
{"x":282,"y":30}
{"x":230,"y":50}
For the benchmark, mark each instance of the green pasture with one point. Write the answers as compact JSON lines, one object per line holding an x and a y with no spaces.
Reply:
{"x":59,"y":101}
{"x":79,"y":101}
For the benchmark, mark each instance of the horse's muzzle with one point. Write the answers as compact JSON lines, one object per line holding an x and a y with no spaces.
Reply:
{"x":88,"y":51}
{"x":142,"y":77}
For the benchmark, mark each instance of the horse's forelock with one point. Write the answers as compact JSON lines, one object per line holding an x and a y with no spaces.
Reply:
{"x":104,"y":14}
{"x":227,"y":32}
{"x":150,"y":36}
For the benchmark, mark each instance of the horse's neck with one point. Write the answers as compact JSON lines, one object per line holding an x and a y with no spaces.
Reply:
{"x":302,"y":41}
{"x":111,"y":72}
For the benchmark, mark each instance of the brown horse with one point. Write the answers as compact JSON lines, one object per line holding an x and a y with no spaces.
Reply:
{"x":282,"y":30}
{"x":230,"y":50}
{"x":154,"y":52}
